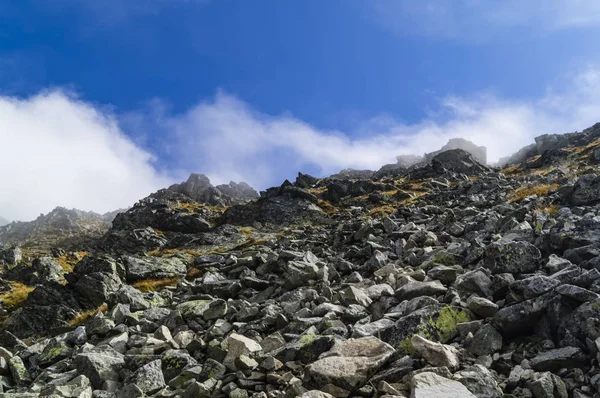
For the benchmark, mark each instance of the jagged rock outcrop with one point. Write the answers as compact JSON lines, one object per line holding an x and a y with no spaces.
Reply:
{"x":199,"y":188}
{"x":284,"y":204}
{"x":478,"y":153}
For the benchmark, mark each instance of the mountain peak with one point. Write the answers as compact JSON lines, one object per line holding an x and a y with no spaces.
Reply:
{"x":199,"y":188}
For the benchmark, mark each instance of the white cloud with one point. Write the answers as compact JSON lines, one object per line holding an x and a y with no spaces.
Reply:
{"x":477,"y":20}
{"x":59,"y":151}
{"x":227,"y":139}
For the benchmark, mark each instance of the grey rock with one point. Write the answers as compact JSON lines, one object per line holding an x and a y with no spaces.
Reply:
{"x":149,"y":378}
{"x":487,"y":340}
{"x":153,"y":268}
{"x":553,"y":360}
{"x":417,"y":289}
{"x":349,"y":364}
{"x":429,"y":384}
{"x":436,"y":354}
{"x":100,"y":366}
{"x":586,"y":190}
{"x":532,"y":287}
{"x":482,"y":307}
{"x":479,"y":381}
{"x":513,"y":257}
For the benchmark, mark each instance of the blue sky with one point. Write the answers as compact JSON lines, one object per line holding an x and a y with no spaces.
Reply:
{"x":111,"y":100}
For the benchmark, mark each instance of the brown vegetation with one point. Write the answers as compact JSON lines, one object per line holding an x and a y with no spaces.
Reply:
{"x":526,"y":191}
{"x":155,"y":285}
{"x":12,"y":299}
{"x":82,"y":317}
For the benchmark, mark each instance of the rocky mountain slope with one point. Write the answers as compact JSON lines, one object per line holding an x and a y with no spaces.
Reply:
{"x":445,"y":278}
{"x":3,"y":221}
{"x":69,"y":228}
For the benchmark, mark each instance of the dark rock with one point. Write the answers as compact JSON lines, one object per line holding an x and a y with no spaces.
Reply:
{"x":566,"y":357}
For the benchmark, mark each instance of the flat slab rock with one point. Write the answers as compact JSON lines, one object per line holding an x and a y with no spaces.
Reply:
{"x":429,"y":385}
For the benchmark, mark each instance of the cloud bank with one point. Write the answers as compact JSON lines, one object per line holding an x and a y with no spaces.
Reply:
{"x":57,"y":150}
{"x":228,"y":139}
{"x":60,"y":150}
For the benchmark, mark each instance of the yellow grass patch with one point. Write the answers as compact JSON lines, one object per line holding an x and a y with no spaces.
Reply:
{"x":512,"y":170}
{"x":317,"y":191}
{"x":539,"y":190}
{"x":173,"y":252}
{"x":82,"y":317}
{"x":327,"y":207}
{"x":382,"y":211}
{"x":68,"y":261}
{"x":155,"y":285}
{"x":551,"y":209}
{"x":13,"y":299}
{"x":195,"y":207}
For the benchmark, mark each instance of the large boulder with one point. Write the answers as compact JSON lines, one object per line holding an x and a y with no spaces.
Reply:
{"x":100,"y":366}
{"x":586,"y":191}
{"x":435,"y":322}
{"x":349,"y":364}
{"x":512,"y":257}
{"x":153,"y":267}
{"x":48,"y":307}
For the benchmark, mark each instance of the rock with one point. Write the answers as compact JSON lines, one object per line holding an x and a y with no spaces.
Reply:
{"x":547,"y":385}
{"x":459,"y":161}
{"x":479,"y":381}
{"x":446,"y":275}
{"x":316,"y":394}
{"x":417,"y":289}
{"x":521,"y":317}
{"x":11,"y":256}
{"x":436,"y":354}
{"x":586,"y":190}
{"x":153,"y":268}
{"x":98,"y":287}
{"x":238,"y":345}
{"x":175,"y":361}
{"x":204,"y":309}
{"x":553,"y":360}
{"x":352,"y":295}
{"x":486,"y":341}
{"x":349,"y":364}
{"x":513,"y":257}
{"x":482,"y":307}
{"x":149,"y":378}
{"x":18,"y":371}
{"x":474,"y":282}
{"x":100,"y":366}
{"x":79,"y":387}
{"x":577,"y":293}
{"x":429,"y":384}
{"x":437,"y":322}
{"x":531,"y":287}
